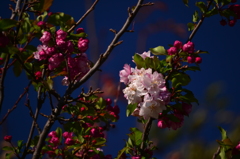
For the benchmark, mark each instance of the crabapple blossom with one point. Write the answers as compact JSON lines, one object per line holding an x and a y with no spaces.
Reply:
{"x":83,"y":44}
{"x":146,"y":54}
{"x":125,"y":73}
{"x":178,"y":44}
{"x":172,"y":50}
{"x":8,"y":138}
{"x":55,"y":61}
{"x":60,"y":34}
{"x":198,"y":60}
{"x":188,"y":47}
{"x":45,"y":37}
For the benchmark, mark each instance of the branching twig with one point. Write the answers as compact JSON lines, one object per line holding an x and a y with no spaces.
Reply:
{"x":81,"y":19}
{"x":16,"y":103}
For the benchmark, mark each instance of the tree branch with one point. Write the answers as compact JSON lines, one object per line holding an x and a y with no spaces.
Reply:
{"x":81,"y":19}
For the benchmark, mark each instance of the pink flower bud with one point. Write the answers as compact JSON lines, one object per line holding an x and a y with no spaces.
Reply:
{"x":41,"y":23}
{"x":69,"y":141}
{"x":8,"y":138}
{"x":231,"y":23}
{"x":54,"y":140}
{"x":161,"y":124}
{"x":236,"y":9}
{"x":80,"y":30}
{"x":46,"y":37}
{"x":223,"y":22}
{"x":172,"y":51}
{"x":188,"y":47}
{"x":190,"y":59}
{"x":61,"y":34}
{"x":38,"y":75}
{"x":52,"y":134}
{"x":177,"y":44}
{"x":198,"y":60}
{"x":108,"y":101}
{"x":67,"y":134}
{"x":83,"y":44}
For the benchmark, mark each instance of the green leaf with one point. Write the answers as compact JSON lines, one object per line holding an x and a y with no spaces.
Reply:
{"x":60,"y":19}
{"x":189,"y":98}
{"x":100,"y":141}
{"x":180,"y":79}
{"x":7,"y":23}
{"x":136,"y":136}
{"x":7,"y":148}
{"x":185,"y":2}
{"x":34,"y":141}
{"x":49,"y":83}
{"x":138,"y":61}
{"x":191,"y":26}
{"x":100,"y":104}
{"x":130,"y":144}
{"x":201,"y":6}
{"x":20,"y":144}
{"x":193,"y":68}
{"x":195,"y":17}
{"x":59,"y":133}
{"x":121,"y":152}
{"x":160,"y":50}
{"x":131,"y":108}
{"x":223,"y":132}
{"x":26,"y":25}
{"x":211,"y":12}
{"x":8,"y":155}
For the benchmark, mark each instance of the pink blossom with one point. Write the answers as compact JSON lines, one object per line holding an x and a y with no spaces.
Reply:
{"x":190,"y":59}
{"x":80,"y":30}
{"x":146,"y":54}
{"x":41,"y":53}
{"x":108,"y":101}
{"x":188,"y":47}
{"x":178,"y":44}
{"x":83,"y":44}
{"x":96,"y":133}
{"x":52,"y":134}
{"x":61,"y":35}
{"x":50,"y":51}
{"x":54,"y":140}
{"x":69,"y":141}
{"x":38,"y":75}
{"x":172,"y":50}
{"x":125,"y":73}
{"x":46,"y":37}
{"x":231,"y":23}
{"x":8,"y":138}
{"x":198,"y":60}
{"x":55,"y":61}
{"x":67,"y":134}
{"x":41,"y":23}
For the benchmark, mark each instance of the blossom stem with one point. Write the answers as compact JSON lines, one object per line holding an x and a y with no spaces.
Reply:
{"x":146,"y":133}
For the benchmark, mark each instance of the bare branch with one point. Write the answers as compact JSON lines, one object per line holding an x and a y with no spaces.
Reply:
{"x":81,"y":19}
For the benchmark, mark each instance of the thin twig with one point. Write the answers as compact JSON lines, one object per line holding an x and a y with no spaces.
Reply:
{"x":16,"y":103}
{"x":81,"y":19}
{"x":199,"y":23}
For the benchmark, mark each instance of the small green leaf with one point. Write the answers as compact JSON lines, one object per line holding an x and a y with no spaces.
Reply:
{"x":180,"y":79}
{"x":223,"y":132}
{"x":50,"y":83}
{"x":138,"y":61}
{"x":20,"y":144}
{"x":121,"y":152}
{"x":193,"y":68}
{"x":59,"y":133}
{"x":136,"y":136}
{"x":195,"y":17}
{"x":131,"y":108}
{"x":8,"y":155}
{"x":201,"y":6}
{"x":7,"y":23}
{"x":100,"y":141}
{"x":160,"y":50}
{"x":191,"y":26}
{"x":7,"y":148}
{"x":211,"y":12}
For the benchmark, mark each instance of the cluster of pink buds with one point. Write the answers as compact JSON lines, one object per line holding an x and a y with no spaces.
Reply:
{"x":57,"y":49}
{"x":165,"y":122}
{"x":234,"y":8}
{"x":114,"y":111}
{"x":187,"y":48}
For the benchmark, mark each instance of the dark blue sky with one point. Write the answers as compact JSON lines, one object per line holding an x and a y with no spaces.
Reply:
{"x":161,"y":24}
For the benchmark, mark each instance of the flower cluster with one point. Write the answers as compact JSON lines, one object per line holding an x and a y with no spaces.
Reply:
{"x":57,"y":49}
{"x":147,"y":89}
{"x":234,"y":8}
{"x":187,"y":48}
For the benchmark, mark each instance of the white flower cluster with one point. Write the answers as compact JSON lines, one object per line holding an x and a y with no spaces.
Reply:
{"x":147,"y":89}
